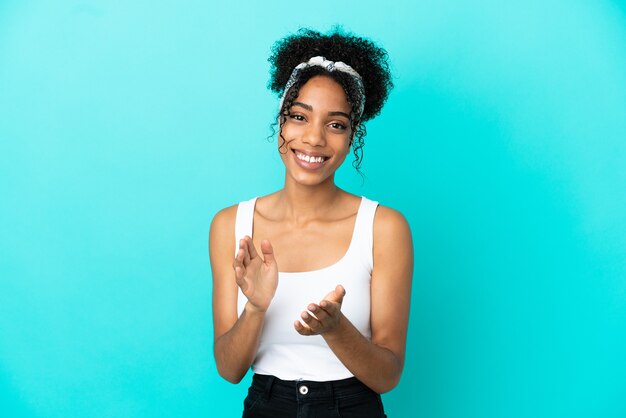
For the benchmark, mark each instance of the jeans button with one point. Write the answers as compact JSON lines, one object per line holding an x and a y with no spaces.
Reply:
{"x":303,"y":390}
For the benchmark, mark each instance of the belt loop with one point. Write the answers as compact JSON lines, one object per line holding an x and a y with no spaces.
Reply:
{"x":268,"y":387}
{"x":331,"y":393}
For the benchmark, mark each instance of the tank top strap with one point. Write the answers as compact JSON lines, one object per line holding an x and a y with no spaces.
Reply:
{"x":243,"y":220}
{"x":363,"y":237}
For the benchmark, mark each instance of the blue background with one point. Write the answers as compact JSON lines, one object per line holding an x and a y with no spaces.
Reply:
{"x":125,"y":126}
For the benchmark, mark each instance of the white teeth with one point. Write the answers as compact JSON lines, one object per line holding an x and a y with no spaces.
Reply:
{"x":308,"y":158}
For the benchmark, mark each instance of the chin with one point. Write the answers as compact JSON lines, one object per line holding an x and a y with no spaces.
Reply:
{"x":307,"y":179}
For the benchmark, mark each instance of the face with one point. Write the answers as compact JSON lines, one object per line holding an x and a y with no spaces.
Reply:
{"x":317,"y":132}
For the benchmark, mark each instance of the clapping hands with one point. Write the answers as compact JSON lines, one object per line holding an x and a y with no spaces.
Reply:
{"x":256,"y":276}
{"x":323,"y":317}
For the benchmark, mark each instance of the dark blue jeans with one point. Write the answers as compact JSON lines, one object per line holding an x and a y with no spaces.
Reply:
{"x":270,"y":397}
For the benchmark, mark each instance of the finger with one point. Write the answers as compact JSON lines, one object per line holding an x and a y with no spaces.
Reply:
{"x":337,"y":294}
{"x":313,"y":323}
{"x":238,"y":261}
{"x":246,"y":255}
{"x":302,"y":329}
{"x":251,"y":248}
{"x":320,"y":313}
{"x":340,"y":291}
{"x":241,"y":282}
{"x":331,"y":308}
{"x":268,"y":252}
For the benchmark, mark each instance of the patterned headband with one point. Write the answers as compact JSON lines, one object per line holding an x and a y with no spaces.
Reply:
{"x":330,"y":66}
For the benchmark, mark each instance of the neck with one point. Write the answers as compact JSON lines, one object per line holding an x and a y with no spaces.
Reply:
{"x":304,"y":203}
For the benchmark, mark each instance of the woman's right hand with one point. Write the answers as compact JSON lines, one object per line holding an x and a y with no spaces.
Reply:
{"x":256,"y":276}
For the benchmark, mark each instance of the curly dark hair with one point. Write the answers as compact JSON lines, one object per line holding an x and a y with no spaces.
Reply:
{"x":368,"y":59}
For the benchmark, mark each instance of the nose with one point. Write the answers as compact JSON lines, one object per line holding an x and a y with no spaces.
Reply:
{"x":314,"y":135}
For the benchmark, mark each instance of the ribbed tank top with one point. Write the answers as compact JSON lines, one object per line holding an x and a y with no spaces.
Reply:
{"x":282,"y":351}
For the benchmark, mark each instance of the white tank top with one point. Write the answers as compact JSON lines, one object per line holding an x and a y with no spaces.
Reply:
{"x":282,"y":351}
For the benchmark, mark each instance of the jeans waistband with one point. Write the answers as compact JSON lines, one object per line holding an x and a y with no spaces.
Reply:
{"x":308,"y":389}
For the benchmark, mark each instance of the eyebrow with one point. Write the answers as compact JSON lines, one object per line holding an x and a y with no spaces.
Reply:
{"x":310,"y":108}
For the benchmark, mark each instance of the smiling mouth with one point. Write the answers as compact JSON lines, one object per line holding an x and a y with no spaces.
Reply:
{"x":311,"y":159}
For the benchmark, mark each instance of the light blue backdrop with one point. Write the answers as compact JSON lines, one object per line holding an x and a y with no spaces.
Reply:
{"x":124,"y":127}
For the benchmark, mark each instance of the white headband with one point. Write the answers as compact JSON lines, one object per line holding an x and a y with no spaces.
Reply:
{"x":330,"y":66}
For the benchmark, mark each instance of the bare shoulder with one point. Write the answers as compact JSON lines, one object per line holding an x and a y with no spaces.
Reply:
{"x":390,"y":224}
{"x":392,"y":237}
{"x":225,"y":218}
{"x":222,"y":232}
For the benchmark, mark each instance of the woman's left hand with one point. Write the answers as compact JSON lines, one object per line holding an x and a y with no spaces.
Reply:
{"x":323,"y":317}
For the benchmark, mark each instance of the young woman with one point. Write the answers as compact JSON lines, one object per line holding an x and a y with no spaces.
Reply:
{"x":312,"y":284}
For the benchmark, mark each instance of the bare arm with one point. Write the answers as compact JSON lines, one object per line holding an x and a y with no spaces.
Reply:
{"x":236,"y":339}
{"x":378,"y":363}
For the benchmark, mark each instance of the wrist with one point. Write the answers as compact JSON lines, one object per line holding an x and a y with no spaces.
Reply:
{"x":253,"y":310}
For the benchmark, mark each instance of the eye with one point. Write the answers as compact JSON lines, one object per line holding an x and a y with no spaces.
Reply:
{"x":337,"y":125}
{"x":296,"y":117}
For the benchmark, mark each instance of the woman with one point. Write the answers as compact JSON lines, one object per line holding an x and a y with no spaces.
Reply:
{"x":316,"y":296}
